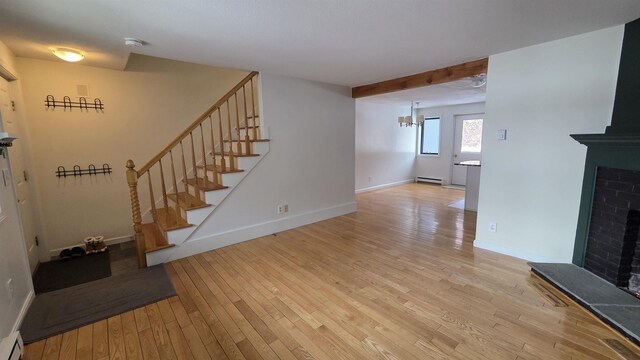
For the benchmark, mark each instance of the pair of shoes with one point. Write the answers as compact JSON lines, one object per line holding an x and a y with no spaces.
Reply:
{"x":68,"y":254}
{"x":95,"y":244}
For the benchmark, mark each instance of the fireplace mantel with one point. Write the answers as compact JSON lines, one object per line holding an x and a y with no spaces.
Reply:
{"x":616,"y":139}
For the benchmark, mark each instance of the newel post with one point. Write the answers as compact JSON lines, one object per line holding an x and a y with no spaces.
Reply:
{"x":132,"y":180}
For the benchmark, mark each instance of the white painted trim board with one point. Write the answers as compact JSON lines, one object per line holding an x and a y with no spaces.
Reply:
{"x":510,"y":252}
{"x":378,"y":187}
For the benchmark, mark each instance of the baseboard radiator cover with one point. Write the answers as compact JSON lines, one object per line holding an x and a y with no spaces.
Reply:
{"x":428,"y":180}
{"x":11,"y":347}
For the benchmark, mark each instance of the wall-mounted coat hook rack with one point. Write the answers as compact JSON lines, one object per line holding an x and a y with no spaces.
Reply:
{"x":66,"y":103}
{"x":77,"y":171}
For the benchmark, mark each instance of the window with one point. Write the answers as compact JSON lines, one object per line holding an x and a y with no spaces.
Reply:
{"x":430,"y":136}
{"x":471,"y":136}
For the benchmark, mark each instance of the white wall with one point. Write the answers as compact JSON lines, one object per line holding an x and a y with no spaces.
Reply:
{"x":13,"y":261}
{"x":310,"y":166}
{"x":385,"y":152}
{"x":530,"y":183}
{"x":146,"y":106}
{"x":440,"y":166}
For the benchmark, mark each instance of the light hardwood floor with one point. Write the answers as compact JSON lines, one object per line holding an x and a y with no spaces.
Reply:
{"x":399,"y":279}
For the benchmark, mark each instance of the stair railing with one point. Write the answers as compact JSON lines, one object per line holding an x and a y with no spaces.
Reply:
{"x":200,"y":139}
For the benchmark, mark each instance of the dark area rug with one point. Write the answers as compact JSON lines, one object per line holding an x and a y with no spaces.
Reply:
{"x":55,"y":275}
{"x":67,"y":309}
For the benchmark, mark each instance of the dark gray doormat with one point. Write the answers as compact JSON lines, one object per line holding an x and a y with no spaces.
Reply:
{"x":616,"y":307}
{"x":66,"y":309}
{"x":55,"y":275}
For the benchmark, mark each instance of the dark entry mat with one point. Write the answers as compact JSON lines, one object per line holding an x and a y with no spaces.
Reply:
{"x":67,"y":309}
{"x":55,"y":275}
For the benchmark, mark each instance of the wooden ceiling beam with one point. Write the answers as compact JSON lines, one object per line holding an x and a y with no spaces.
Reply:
{"x":438,"y":76}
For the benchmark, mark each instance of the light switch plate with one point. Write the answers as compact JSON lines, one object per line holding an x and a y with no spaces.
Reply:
{"x":502,"y":134}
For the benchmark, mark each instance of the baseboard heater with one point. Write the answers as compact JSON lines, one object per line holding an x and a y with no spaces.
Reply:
{"x":11,"y":347}
{"x":428,"y":180}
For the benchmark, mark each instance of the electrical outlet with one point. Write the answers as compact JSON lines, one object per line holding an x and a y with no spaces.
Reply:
{"x":493,"y":227}
{"x":9,"y":286}
{"x":283,"y":208}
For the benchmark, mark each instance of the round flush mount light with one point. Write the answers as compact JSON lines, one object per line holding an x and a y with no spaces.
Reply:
{"x":133,"y":42}
{"x":67,"y":54}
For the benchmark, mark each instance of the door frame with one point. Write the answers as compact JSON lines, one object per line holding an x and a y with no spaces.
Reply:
{"x":453,"y":141}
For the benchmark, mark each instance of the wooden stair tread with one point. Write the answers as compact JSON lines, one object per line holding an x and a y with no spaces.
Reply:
{"x":251,"y":140}
{"x":250,"y":127}
{"x":243,"y":155}
{"x":220,"y":170}
{"x":167,"y":219}
{"x":208,"y":186}
{"x":153,"y":239}
{"x":187,"y":201}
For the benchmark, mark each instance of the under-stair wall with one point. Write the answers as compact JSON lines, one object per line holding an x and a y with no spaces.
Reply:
{"x":308,"y":165}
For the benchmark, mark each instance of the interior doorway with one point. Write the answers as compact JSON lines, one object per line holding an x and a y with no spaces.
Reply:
{"x":467,"y":142}
{"x":19,"y":173}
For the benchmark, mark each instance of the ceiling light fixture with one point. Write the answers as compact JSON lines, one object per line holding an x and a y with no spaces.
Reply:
{"x":133,"y":42}
{"x":479,"y":80}
{"x":409,"y":120}
{"x":67,"y":54}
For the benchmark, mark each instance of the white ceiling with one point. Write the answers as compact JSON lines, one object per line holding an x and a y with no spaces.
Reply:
{"x":347,"y":42}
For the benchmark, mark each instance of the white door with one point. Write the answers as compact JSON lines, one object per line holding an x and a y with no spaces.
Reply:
{"x":20,"y":175}
{"x":466,"y":145}
{"x":9,"y":224}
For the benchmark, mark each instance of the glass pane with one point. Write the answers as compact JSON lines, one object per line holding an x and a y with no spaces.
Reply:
{"x":431,"y":136}
{"x":471,"y":135}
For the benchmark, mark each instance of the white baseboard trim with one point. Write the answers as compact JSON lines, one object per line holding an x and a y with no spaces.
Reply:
{"x":110,"y":241}
{"x":512,"y":252}
{"x":23,"y":310}
{"x":378,"y":187}
{"x":197,"y":246}
{"x":454,"y":187}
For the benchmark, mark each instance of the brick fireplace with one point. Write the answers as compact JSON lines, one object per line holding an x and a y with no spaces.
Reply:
{"x":613,"y":249}
{"x":609,"y":219}
{"x":606,"y":253}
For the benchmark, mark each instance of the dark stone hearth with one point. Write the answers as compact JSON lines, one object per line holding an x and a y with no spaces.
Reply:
{"x":612,"y":305}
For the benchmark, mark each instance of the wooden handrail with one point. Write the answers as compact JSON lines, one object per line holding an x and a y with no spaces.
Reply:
{"x":195,"y":124}
{"x":169,"y":215}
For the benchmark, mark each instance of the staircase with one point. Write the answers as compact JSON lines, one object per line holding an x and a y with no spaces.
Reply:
{"x":192,"y":176}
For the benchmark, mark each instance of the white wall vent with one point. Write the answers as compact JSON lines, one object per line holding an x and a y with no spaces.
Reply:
{"x":11,"y":347}
{"x":428,"y":180}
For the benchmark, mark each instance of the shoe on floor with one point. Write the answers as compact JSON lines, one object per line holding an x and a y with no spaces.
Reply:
{"x":65,"y":255}
{"x":77,"y":252}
